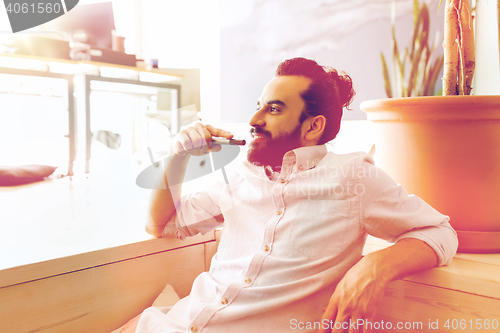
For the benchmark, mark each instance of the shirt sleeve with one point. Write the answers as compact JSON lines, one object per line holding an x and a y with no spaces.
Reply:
{"x":388,"y":212}
{"x":195,"y":213}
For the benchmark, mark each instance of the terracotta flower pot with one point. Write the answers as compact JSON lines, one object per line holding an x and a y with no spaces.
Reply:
{"x":446,"y":150}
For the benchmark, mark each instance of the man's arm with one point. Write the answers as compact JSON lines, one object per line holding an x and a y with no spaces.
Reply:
{"x":194,"y":140}
{"x":162,"y":202}
{"x":362,"y":288}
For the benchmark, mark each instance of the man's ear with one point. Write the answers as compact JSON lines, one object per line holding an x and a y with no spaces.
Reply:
{"x":314,"y":128}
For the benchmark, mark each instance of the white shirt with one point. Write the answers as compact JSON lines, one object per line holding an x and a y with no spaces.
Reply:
{"x":289,"y":238}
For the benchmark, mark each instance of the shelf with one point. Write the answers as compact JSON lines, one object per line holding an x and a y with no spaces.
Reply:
{"x":64,"y":66}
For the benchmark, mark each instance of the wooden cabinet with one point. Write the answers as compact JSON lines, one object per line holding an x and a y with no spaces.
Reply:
{"x":99,"y":291}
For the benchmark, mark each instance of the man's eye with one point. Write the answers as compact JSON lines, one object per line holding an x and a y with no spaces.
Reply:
{"x":274,"y":109}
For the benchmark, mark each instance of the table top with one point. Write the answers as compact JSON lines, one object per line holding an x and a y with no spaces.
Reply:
{"x":67,"y":216}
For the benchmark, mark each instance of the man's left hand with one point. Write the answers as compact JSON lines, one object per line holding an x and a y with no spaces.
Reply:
{"x":355,"y":300}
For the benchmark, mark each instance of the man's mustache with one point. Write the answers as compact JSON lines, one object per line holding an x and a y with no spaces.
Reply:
{"x":258,"y":130}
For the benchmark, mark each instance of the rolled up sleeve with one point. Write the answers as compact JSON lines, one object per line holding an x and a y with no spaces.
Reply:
{"x":388,"y":212}
{"x":195,"y":213}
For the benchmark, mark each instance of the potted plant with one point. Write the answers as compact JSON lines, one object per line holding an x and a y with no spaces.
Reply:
{"x":446,"y":149}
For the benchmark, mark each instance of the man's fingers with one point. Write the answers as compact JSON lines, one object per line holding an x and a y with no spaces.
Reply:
{"x":330,"y":313}
{"x":218,"y":132}
{"x":360,"y":323}
{"x":201,"y":137}
{"x":182,"y":143}
{"x":367,"y":321}
{"x":215,"y":147}
{"x":192,"y":140}
{"x":349,"y":321}
{"x":342,"y":323}
{"x":196,"y":140}
{"x":356,"y":324}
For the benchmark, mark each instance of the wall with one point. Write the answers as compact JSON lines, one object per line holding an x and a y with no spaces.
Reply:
{"x":190,"y":85}
{"x":348,"y":35}
{"x":486,"y":75}
{"x":255,"y":35}
{"x":183,"y":34}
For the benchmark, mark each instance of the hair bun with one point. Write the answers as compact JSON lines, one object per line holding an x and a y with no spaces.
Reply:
{"x":344,"y":84}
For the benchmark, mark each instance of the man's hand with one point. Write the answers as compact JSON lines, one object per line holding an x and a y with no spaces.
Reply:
{"x":195,"y":140}
{"x":357,"y":296}
{"x":355,"y":299}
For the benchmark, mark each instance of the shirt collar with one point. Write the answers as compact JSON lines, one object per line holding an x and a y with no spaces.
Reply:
{"x":307,"y":158}
{"x":302,"y":159}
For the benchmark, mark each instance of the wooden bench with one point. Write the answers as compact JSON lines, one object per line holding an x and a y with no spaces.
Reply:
{"x":460,"y":297}
{"x":99,"y":291}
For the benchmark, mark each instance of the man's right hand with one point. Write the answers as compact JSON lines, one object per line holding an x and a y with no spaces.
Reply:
{"x":196,"y":140}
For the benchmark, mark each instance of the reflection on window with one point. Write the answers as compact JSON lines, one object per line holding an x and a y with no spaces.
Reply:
{"x":125,"y":110}
{"x":34,"y":121}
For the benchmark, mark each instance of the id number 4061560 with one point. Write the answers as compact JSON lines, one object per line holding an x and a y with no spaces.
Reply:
{"x":471,"y":324}
{"x":40,"y":8}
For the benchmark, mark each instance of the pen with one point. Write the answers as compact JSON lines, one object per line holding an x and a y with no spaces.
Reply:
{"x":219,"y":141}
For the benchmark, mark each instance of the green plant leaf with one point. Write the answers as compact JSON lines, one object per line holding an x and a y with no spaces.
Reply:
{"x":419,"y":47}
{"x":397,"y":69}
{"x":421,"y":30}
{"x":387,"y":79}
{"x":422,"y":74}
{"x":416,"y":8}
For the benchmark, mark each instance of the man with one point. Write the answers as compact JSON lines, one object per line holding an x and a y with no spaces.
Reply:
{"x":295,"y":220}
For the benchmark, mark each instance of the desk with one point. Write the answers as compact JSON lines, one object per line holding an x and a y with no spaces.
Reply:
{"x":70,"y":216}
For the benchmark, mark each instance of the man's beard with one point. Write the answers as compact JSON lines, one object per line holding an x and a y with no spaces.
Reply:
{"x":271,"y":151}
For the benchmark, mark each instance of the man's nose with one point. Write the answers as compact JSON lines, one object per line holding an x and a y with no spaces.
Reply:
{"x":257,"y":120}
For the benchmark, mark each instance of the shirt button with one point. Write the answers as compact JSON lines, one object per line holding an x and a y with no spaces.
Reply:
{"x":266,"y":248}
{"x":301,"y":167}
{"x":278,"y":212}
{"x":224,"y":301}
{"x":282,"y":181}
{"x":194,"y":328}
{"x":248,"y":280}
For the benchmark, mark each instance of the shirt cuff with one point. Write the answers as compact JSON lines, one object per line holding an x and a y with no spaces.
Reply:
{"x":172,"y":229}
{"x":442,"y":239}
